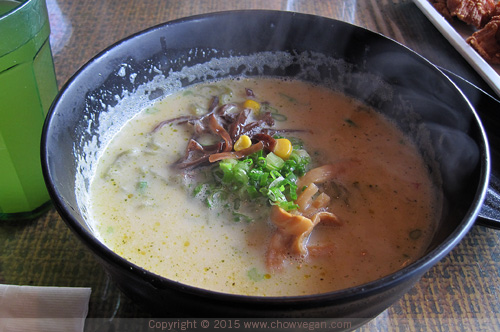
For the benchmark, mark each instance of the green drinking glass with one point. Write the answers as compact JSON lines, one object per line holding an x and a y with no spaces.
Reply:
{"x":27,"y":88}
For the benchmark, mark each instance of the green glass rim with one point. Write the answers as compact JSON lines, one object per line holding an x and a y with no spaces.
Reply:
{"x":21,"y":24}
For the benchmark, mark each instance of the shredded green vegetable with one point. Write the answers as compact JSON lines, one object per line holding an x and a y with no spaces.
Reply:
{"x":258,"y":176}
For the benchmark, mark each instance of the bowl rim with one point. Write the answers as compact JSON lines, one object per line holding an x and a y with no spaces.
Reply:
{"x":413,"y":270}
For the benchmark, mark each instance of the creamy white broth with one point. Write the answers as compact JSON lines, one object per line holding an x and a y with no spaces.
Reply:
{"x":144,"y":210}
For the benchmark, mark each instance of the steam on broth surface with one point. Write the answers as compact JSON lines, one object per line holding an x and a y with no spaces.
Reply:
{"x":171,"y":221}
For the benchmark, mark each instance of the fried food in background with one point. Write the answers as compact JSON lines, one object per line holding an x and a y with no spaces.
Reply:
{"x":486,"y":41}
{"x":484,"y":15}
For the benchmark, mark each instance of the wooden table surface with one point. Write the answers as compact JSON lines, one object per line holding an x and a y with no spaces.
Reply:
{"x":461,"y":293}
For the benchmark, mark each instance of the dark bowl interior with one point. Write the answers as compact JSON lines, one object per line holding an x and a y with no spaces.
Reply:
{"x":363,"y":64}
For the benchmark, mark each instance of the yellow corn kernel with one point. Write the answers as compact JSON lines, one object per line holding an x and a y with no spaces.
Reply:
{"x":242,"y":143}
{"x":251,"y":104}
{"x":283,"y":148}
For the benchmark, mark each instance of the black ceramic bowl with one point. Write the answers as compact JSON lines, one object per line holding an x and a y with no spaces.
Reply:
{"x":363,"y":64}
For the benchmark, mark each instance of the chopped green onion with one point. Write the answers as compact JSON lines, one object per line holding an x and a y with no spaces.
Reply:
{"x":300,"y":156}
{"x":259,"y":175}
{"x":255,"y":174}
{"x":252,"y":192}
{"x":262,"y":162}
{"x":209,"y":202}
{"x":350,"y":122}
{"x":289,"y":98}
{"x":273,"y":162}
{"x":279,"y":117}
{"x":297,"y":143}
{"x":241,"y":217}
{"x":198,"y":189}
{"x":288,"y":206}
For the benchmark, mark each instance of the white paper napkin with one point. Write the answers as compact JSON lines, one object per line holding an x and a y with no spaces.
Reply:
{"x":40,"y":309}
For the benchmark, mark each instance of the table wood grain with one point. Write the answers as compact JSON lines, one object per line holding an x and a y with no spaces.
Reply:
{"x":460,"y":293}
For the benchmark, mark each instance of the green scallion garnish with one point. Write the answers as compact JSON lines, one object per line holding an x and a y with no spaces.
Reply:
{"x":257,"y":176}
